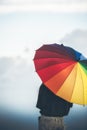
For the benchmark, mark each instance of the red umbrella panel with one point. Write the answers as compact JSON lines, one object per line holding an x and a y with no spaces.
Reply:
{"x":63,"y":70}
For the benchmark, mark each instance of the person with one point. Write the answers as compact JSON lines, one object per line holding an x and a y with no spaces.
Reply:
{"x":52,"y":109}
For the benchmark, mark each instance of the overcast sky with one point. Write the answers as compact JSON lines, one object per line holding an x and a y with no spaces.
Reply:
{"x":21,"y":30}
{"x":43,"y":5}
{"x":42,"y":1}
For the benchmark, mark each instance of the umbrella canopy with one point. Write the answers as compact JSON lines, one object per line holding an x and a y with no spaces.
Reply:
{"x":64,"y":71}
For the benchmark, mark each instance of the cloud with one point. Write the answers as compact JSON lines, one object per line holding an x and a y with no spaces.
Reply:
{"x":7,"y":6}
{"x":5,"y":65}
{"x":18,"y":84}
{"x":26,"y":50}
{"x":77,"y":39}
{"x":44,"y":8}
{"x":41,"y":1}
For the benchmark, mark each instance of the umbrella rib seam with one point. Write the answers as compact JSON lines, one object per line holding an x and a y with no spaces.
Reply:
{"x":74,"y":86}
{"x":83,"y":87}
{"x":53,"y":66}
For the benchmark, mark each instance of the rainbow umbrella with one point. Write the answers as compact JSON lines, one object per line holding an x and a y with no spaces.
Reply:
{"x":64,"y":71}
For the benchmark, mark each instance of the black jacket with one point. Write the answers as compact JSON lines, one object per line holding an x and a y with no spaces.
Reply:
{"x":50,"y":104}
